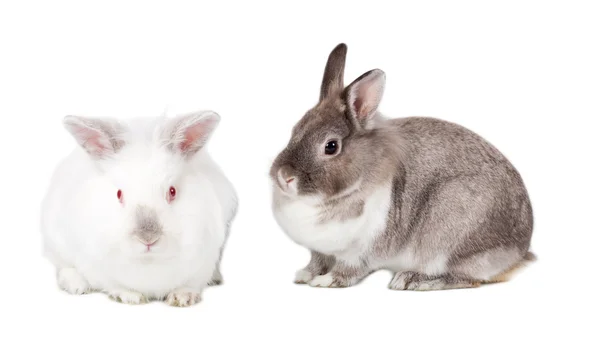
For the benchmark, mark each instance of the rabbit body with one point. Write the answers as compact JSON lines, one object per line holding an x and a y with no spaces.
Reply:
{"x":139,"y":210}
{"x":425,"y":198}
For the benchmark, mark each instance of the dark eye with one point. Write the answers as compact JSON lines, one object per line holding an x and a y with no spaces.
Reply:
{"x":172,"y":194}
{"x":120,"y":195}
{"x":331,"y":147}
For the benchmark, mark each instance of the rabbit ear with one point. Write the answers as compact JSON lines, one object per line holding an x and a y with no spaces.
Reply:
{"x":333,"y":77}
{"x":364,"y":95}
{"x":188,"y":133}
{"x":99,"y":137}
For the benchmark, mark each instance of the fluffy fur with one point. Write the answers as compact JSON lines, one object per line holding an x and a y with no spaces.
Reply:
{"x":149,"y":244}
{"x":427,"y":199}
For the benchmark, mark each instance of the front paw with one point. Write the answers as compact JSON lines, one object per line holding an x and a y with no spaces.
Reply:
{"x":72,"y":282}
{"x":183,"y":298}
{"x":303,"y":276}
{"x":328,"y":280}
{"x":127,"y":297}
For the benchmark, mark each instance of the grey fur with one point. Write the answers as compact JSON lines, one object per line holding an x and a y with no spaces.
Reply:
{"x":148,"y":227}
{"x":333,"y":78}
{"x":319,"y":264}
{"x":453,"y":193}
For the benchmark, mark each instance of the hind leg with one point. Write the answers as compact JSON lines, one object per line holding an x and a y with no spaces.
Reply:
{"x":493,"y":266}
{"x":421,"y":282}
{"x":217,"y":278}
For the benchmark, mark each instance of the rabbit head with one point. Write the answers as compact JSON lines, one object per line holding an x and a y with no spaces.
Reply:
{"x":146,"y":191}
{"x":338,"y":143}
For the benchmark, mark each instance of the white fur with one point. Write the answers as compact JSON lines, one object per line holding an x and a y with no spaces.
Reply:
{"x":127,"y":297}
{"x":299,"y":216}
{"x":87,"y":232}
{"x":405,"y":261}
{"x":409,"y":261}
{"x":303,"y":276}
{"x":325,"y":280}
{"x":71,"y":281}
{"x":436,"y":266}
{"x":183,"y":297}
{"x":489,"y":264}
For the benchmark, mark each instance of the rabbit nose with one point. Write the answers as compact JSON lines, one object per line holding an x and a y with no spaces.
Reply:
{"x":285,"y":175}
{"x":286,"y":178}
{"x":148,"y":228}
{"x":147,"y":242}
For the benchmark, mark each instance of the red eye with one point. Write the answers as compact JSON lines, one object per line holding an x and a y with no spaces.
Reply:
{"x":172,"y":193}
{"x":120,"y":195}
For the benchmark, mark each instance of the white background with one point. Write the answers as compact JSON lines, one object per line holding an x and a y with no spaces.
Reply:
{"x":523,"y":74}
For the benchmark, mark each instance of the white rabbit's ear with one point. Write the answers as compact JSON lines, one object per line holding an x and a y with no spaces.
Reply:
{"x":364,"y":95}
{"x":188,"y":133}
{"x":99,"y":137}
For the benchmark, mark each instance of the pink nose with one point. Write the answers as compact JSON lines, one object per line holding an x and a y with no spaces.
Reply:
{"x":148,"y":244}
{"x":285,"y":176}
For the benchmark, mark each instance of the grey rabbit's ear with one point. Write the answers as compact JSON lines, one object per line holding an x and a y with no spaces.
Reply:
{"x":99,"y":137}
{"x":333,"y":77}
{"x":363,"y":97}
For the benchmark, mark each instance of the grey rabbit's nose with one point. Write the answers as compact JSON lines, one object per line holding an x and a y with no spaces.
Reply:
{"x":286,"y":179}
{"x":286,"y":175}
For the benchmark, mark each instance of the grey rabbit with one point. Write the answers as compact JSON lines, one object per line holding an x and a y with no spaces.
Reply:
{"x":425,"y":198}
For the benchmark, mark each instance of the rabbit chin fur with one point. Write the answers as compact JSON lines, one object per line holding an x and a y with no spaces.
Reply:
{"x":86,"y":228}
{"x":303,"y":219}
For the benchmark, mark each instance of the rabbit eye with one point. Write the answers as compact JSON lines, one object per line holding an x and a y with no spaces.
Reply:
{"x":172,"y":194}
{"x":331,"y":147}
{"x":120,"y":195}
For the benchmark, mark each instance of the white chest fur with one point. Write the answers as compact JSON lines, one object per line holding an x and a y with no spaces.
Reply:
{"x":301,"y":217}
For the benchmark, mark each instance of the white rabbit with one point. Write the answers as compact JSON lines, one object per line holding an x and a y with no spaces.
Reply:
{"x":139,"y":210}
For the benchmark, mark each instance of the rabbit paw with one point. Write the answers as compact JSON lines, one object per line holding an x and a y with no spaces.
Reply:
{"x":326,"y":280}
{"x":420,"y":282}
{"x":183,"y":298}
{"x":127,"y":297}
{"x":400,"y":280}
{"x":303,"y":276}
{"x":72,"y":282}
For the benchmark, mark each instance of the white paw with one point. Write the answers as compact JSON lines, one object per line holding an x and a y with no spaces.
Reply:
{"x":303,"y":276}
{"x":325,"y":280}
{"x":183,"y":298}
{"x":399,"y":281}
{"x":128,"y":297}
{"x":72,"y":282}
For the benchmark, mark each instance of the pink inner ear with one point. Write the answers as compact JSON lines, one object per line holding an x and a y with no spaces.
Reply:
{"x":358,"y":104}
{"x":193,"y":136}
{"x":92,"y":140}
